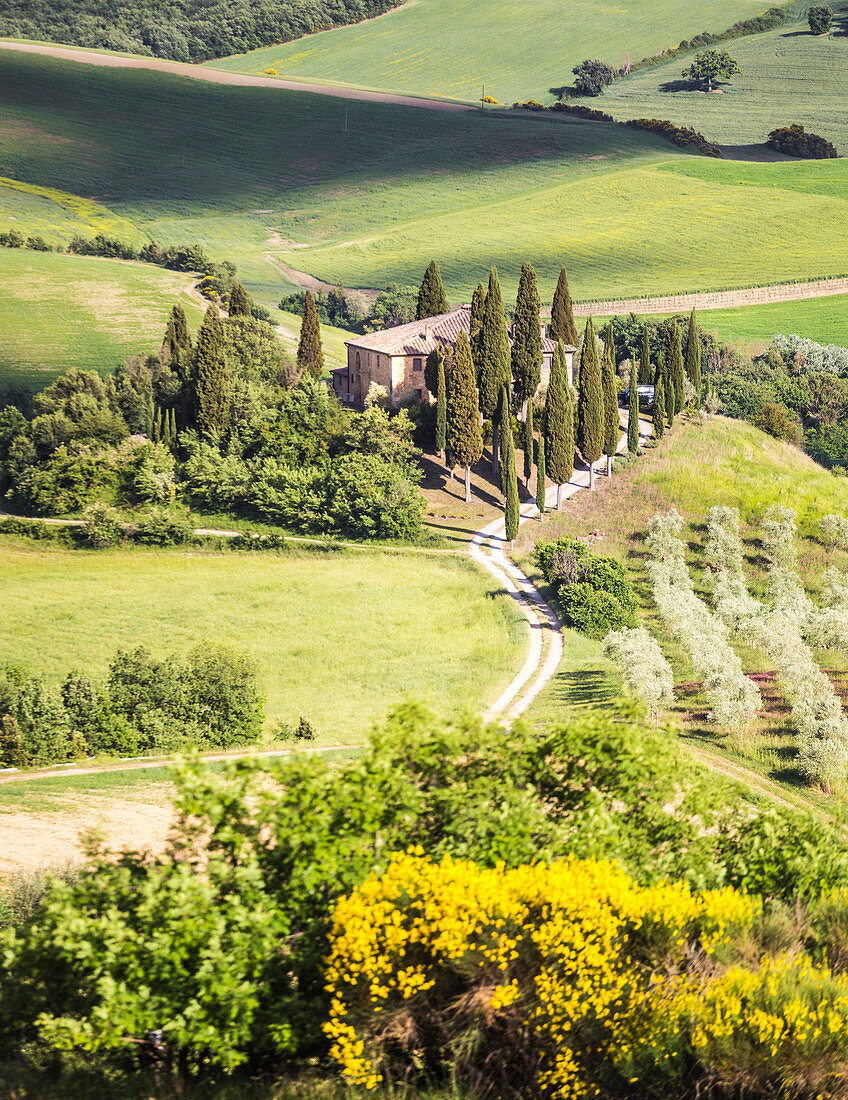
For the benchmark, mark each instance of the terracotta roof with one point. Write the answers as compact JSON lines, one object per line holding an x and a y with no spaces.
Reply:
{"x":422,"y":337}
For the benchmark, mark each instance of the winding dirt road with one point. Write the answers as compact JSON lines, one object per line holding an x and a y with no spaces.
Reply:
{"x":221,"y":76}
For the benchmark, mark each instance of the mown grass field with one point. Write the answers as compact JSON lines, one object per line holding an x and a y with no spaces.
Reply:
{"x":788,"y":75}
{"x":266,"y":170}
{"x":340,"y":638}
{"x":693,"y":468}
{"x":453,"y":48}
{"x":60,"y":311}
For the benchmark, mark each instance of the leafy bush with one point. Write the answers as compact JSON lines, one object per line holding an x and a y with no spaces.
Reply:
{"x":820,"y":18}
{"x":593,"y":77}
{"x":683,"y":136}
{"x":101,"y":527}
{"x":582,"y":112}
{"x":162,"y":528}
{"x":794,"y":141}
{"x":594,"y":592}
{"x":778,"y":421}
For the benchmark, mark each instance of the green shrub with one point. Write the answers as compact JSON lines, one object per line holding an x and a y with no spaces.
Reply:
{"x":683,"y":136}
{"x":594,"y":593}
{"x":794,"y":141}
{"x":779,"y":422}
{"x":820,"y":18}
{"x":101,"y":527}
{"x":162,"y":528}
{"x":593,"y":611}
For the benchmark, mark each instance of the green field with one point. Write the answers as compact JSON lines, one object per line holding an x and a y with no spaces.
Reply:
{"x":266,"y":170}
{"x":61,"y":311}
{"x":788,"y":75}
{"x":340,"y":638}
{"x":452,"y":48}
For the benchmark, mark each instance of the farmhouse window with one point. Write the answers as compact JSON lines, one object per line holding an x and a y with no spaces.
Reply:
{"x":416,"y":364}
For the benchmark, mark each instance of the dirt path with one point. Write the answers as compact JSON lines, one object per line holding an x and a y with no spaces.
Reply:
{"x":221,"y":76}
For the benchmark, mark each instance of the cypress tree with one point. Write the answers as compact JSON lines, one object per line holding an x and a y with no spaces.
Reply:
{"x":310,"y":354}
{"x":645,"y":373}
{"x":172,"y":427}
{"x":693,"y":356}
{"x":494,"y":361}
{"x":668,"y":394}
{"x":211,"y":376}
{"x":659,"y":409}
{"x":431,"y":370}
{"x":562,"y":313}
{"x":559,"y":424}
{"x":441,"y":410}
{"x":541,"y":478}
{"x":239,"y":305}
{"x":674,"y":365}
{"x":528,"y":444}
{"x":176,"y":346}
{"x":431,"y":296}
{"x":476,"y":323}
{"x":157,"y":425}
{"x":527,"y":354}
{"x":509,"y":477}
{"x":633,"y":413}
{"x":590,"y":406}
{"x":464,"y":437}
{"x":612,"y":422}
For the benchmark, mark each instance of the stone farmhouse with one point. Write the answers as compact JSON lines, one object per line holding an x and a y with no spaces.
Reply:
{"x":395,"y":357}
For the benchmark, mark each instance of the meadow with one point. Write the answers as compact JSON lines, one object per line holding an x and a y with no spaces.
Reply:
{"x":432,"y":47}
{"x":59,"y":311}
{"x":257,"y":175}
{"x":431,"y":627}
{"x":788,"y":76}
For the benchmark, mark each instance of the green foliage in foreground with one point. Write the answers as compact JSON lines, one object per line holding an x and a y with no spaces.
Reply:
{"x":219,"y":943}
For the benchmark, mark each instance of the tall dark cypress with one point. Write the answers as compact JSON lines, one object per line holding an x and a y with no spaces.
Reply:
{"x":693,"y":356}
{"x":176,"y":347}
{"x":431,"y":370}
{"x":674,"y":364}
{"x":310,"y":354}
{"x":559,"y":424}
{"x":612,"y":423}
{"x":668,"y":392}
{"x":562,"y":313}
{"x":431,"y":296}
{"x":590,"y":406}
{"x":172,"y":427}
{"x":476,"y":323}
{"x":659,"y":408}
{"x":157,"y":425}
{"x":239,"y":305}
{"x":212,"y":379}
{"x":441,"y":409}
{"x":528,"y":443}
{"x":527,"y":356}
{"x":646,"y":375}
{"x":541,"y":478}
{"x":464,"y":437}
{"x":494,"y":372}
{"x":633,"y":411}
{"x":509,"y":476}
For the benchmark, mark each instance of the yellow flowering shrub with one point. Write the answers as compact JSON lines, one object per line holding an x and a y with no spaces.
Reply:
{"x":537,"y":972}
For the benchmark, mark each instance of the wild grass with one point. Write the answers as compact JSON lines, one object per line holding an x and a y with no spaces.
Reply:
{"x":788,"y":75}
{"x":253,"y":173}
{"x":339,"y":638}
{"x":433,"y":47}
{"x":60,"y":311}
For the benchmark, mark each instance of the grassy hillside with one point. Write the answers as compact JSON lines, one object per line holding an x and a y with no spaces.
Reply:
{"x":431,"y":627}
{"x":452,"y":48}
{"x":266,"y":170}
{"x":788,"y":75}
{"x":61,"y":311}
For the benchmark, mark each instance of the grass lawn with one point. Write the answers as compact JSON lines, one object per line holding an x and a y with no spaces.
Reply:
{"x":788,"y":75}
{"x":266,"y":171}
{"x":59,"y":311}
{"x":453,"y":48}
{"x":338,"y":637}
{"x":693,"y":468}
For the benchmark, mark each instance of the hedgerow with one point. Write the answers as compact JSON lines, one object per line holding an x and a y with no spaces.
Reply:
{"x":794,"y":141}
{"x":683,"y":136}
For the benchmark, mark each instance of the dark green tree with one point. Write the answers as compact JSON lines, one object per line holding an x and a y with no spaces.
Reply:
{"x":493,"y":367}
{"x":659,"y":409}
{"x":712,"y":65}
{"x":176,"y":347}
{"x":528,"y":443}
{"x":612,"y":422}
{"x":633,"y":412}
{"x":172,"y":428}
{"x":693,"y":356}
{"x":593,"y":77}
{"x":464,"y":437}
{"x":431,"y":370}
{"x":527,"y":354}
{"x":668,"y":392}
{"x":441,"y":410}
{"x":562,"y":313}
{"x":674,"y":364}
{"x":478,"y":300}
{"x":310,"y":354}
{"x":541,"y":478}
{"x":509,"y":476}
{"x":157,"y":425}
{"x":646,"y":375}
{"x":212,"y":379}
{"x":239,"y":303}
{"x":558,"y":424}
{"x":591,"y":423}
{"x":820,"y":18}
{"x":431,"y":296}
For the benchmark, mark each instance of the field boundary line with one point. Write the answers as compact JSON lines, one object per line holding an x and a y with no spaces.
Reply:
{"x":225,"y":76}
